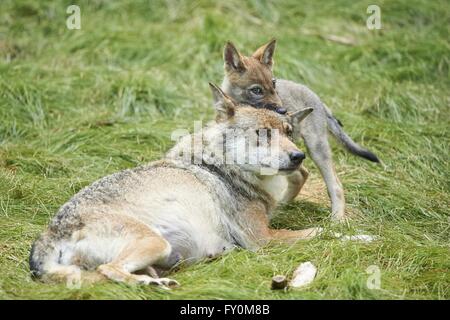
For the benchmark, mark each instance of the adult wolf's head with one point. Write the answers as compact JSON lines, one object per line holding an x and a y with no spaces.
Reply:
{"x":256,"y":140}
{"x":250,"y":80}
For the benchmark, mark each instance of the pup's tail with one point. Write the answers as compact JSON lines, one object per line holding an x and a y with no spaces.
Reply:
{"x":335,"y":127}
{"x":45,"y":264}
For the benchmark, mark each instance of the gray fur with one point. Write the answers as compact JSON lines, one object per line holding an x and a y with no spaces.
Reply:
{"x":190,"y":209}
{"x":313,"y":130}
{"x":231,"y":189}
{"x":296,"y":96}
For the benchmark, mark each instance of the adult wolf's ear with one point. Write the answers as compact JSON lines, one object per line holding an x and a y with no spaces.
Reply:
{"x":224,"y":105}
{"x":298,"y":116}
{"x":232,"y":58}
{"x":265,"y":53}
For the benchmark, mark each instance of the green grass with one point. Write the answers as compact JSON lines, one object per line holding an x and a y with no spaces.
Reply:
{"x":76,"y":105}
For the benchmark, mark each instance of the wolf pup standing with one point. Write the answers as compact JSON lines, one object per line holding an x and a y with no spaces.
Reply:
{"x":250,"y":80}
{"x":125,"y":225}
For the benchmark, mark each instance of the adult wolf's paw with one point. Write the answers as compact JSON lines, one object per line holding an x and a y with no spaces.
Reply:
{"x":164,"y":282}
{"x":315,"y":232}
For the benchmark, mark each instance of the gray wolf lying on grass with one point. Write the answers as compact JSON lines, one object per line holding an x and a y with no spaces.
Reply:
{"x":125,"y":225}
{"x":250,"y":80}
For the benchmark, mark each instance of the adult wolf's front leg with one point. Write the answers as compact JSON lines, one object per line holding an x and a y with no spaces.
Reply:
{"x":258,"y":225}
{"x":286,"y":235}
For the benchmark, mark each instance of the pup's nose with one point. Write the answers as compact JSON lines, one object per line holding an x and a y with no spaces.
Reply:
{"x":275,"y":107}
{"x":281,"y":110}
{"x":297,"y":156}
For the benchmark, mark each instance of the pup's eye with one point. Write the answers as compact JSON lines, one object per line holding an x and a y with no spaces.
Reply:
{"x":274,"y":82}
{"x":257,"y":91}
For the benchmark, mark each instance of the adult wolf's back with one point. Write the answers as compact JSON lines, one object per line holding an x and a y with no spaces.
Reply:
{"x":189,"y":208}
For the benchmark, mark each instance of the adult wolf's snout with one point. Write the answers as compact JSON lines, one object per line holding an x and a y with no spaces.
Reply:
{"x":297,"y":157}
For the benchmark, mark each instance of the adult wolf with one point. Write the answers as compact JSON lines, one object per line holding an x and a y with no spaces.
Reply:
{"x":179,"y":209}
{"x":250,"y":80}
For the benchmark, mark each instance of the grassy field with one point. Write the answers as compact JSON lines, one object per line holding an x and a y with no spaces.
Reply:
{"x":76,"y":105}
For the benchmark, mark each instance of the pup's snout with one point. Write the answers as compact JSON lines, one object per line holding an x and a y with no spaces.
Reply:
{"x":297,"y":157}
{"x":275,"y":107}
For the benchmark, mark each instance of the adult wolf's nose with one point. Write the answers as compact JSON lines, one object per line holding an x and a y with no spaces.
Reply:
{"x":297,"y":157}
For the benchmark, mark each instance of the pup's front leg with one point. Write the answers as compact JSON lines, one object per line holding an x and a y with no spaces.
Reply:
{"x":296,"y":180}
{"x":320,"y":152}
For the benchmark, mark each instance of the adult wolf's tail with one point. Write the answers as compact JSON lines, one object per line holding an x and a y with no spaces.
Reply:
{"x":335,"y":128}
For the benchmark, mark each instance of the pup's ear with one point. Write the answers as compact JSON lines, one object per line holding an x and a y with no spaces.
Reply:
{"x":265,"y":53}
{"x":232,"y":58}
{"x":224,"y":105}
{"x":298,"y":116}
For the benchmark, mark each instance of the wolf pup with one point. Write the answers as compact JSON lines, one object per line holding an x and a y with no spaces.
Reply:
{"x":125,"y":225}
{"x":250,"y":80}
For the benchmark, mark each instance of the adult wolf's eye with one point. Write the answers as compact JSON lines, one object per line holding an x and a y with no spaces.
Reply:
{"x":257,"y":91}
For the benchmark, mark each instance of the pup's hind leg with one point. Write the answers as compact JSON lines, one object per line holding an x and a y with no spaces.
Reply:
{"x":320,"y":152}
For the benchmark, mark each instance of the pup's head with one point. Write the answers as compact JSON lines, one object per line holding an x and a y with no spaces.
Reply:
{"x":250,"y":80}
{"x":257,"y":139}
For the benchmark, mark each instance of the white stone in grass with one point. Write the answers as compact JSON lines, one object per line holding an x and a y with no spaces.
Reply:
{"x":303,"y":275}
{"x":358,"y":237}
